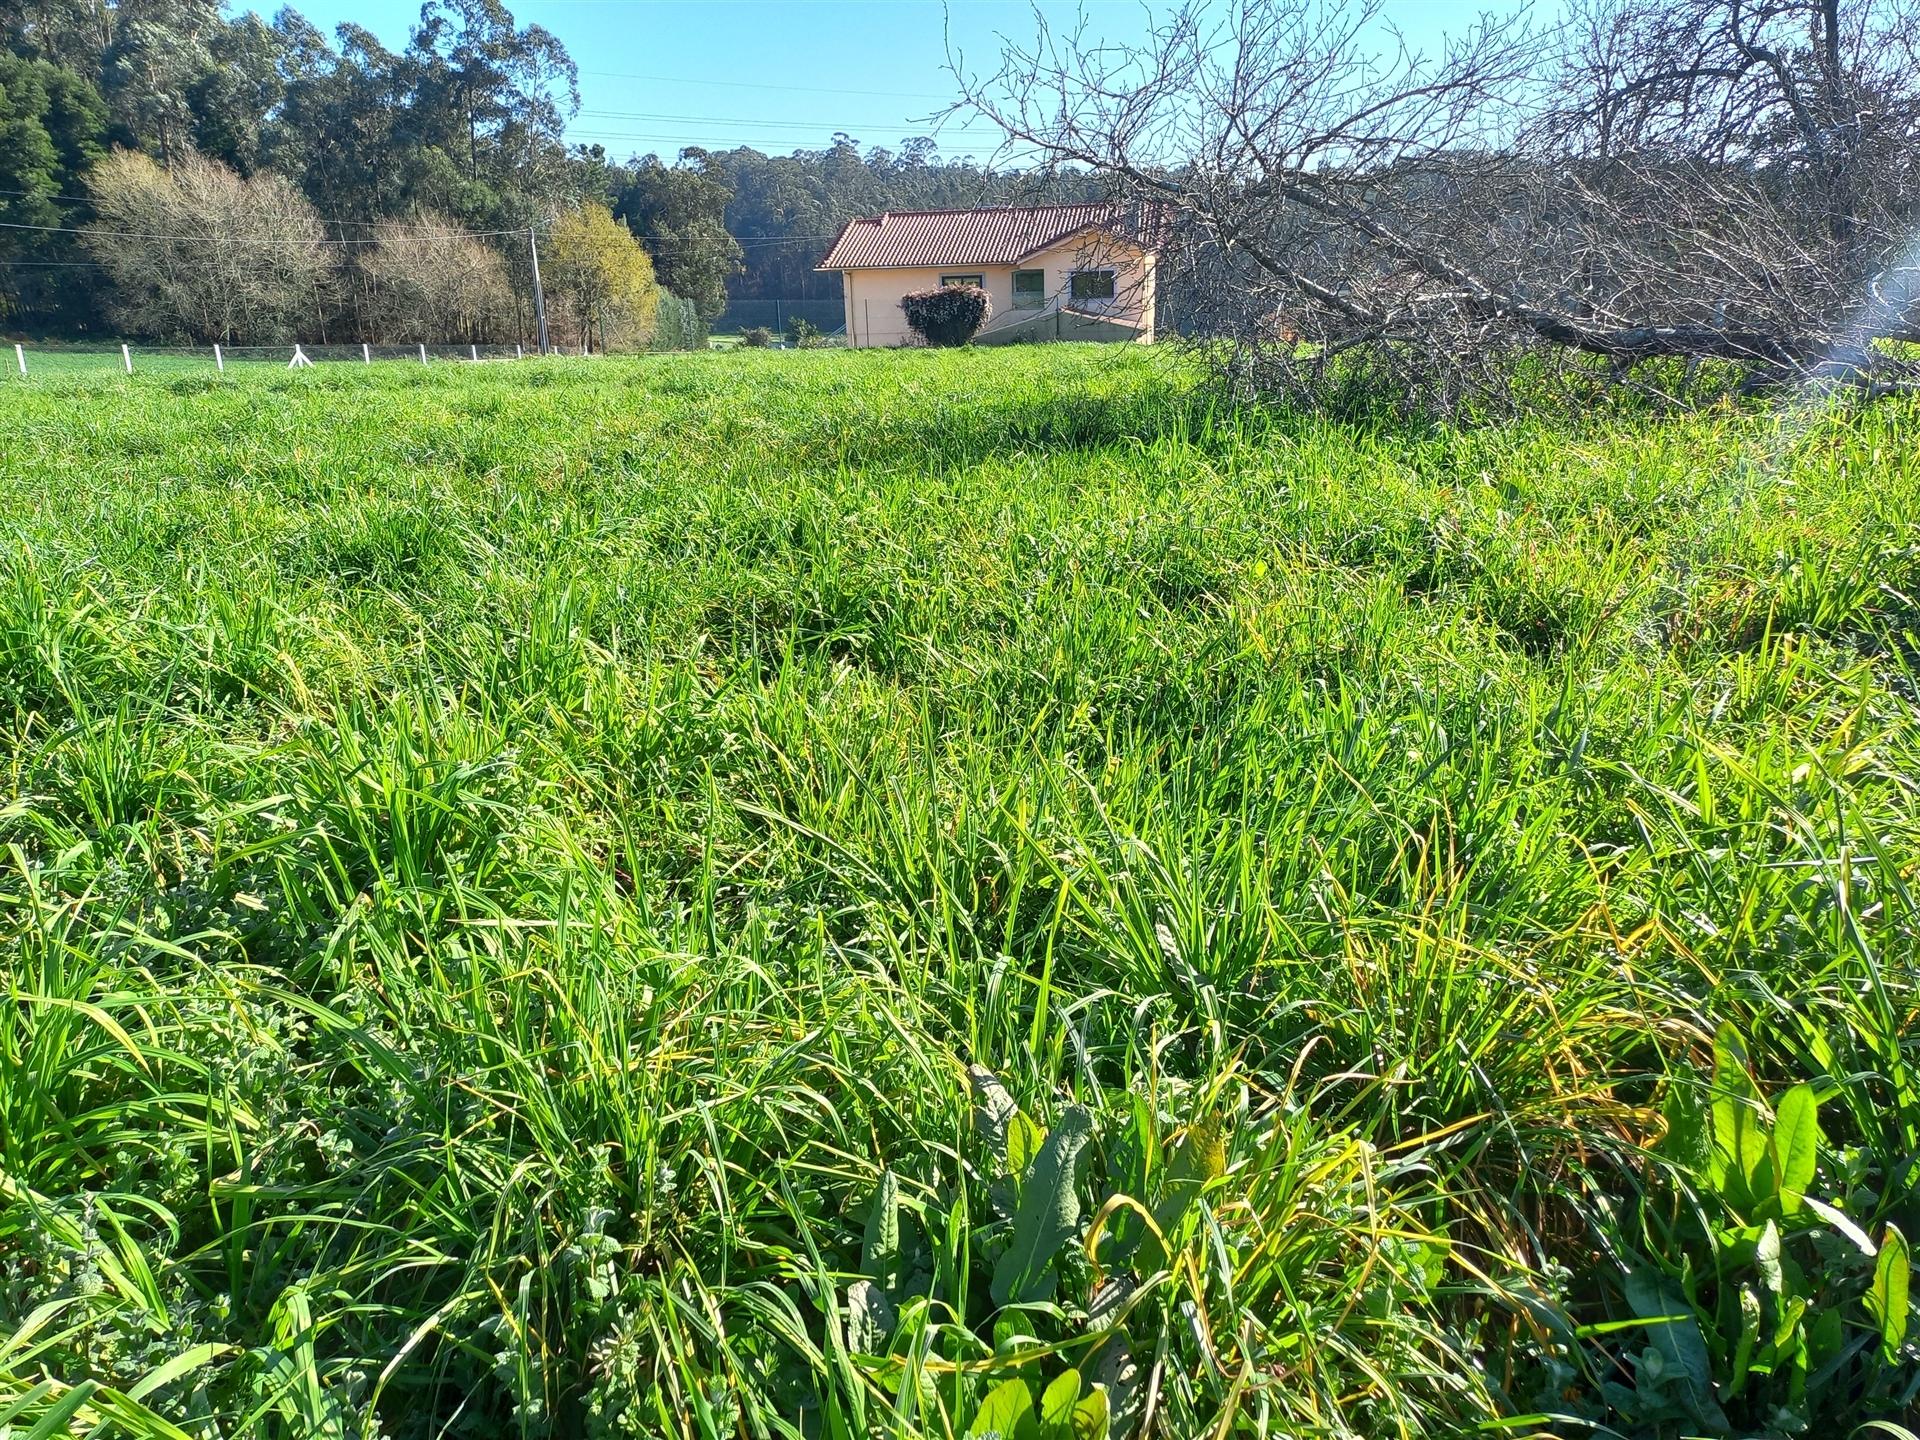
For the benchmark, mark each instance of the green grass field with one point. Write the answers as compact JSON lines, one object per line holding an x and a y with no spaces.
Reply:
{"x":98,"y":363}
{"x":937,"y":894}
{"x":104,"y":361}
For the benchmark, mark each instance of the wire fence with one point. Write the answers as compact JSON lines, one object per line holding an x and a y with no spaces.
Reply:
{"x":26,"y":360}
{"x":826,"y":313}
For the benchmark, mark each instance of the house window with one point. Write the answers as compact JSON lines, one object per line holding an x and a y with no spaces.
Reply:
{"x":1029,"y":289}
{"x":1092,"y":285}
{"x":979,"y":280}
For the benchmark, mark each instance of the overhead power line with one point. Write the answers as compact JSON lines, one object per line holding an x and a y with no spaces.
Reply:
{"x":765,"y":144}
{"x":323,"y":219}
{"x":253,"y":239}
{"x":747,"y":242}
{"x":828,"y":126}
{"x":764,"y":85}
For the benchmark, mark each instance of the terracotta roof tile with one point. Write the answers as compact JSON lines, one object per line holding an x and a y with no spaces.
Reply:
{"x":1000,"y":236}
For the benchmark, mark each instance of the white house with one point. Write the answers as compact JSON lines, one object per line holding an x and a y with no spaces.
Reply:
{"x":1065,"y":272}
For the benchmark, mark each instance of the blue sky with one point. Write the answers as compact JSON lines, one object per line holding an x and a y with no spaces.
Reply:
{"x":784,"y":74}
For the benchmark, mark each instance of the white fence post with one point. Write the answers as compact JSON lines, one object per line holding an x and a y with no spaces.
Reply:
{"x":423,"y":354}
{"x":473,"y":353}
{"x":126,"y":358}
{"x":366,"y":353}
{"x":219,"y":361}
{"x":518,"y":353}
{"x":20,"y":354}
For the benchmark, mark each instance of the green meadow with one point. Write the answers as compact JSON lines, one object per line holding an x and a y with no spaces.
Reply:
{"x":941,"y":894}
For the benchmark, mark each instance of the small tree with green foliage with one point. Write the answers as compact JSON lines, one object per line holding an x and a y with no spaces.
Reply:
{"x":948,"y":315}
{"x":677,"y":325}
{"x":756,"y":337}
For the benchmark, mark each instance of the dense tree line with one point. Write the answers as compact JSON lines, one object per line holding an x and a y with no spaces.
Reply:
{"x":461,"y":130}
{"x":395,"y":151}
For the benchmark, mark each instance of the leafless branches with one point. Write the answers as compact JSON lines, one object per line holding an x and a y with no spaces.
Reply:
{"x":197,"y":250}
{"x":430,"y":281}
{"x":1697,"y":180}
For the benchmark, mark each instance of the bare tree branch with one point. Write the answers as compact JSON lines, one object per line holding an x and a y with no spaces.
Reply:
{"x":1701,"y":180}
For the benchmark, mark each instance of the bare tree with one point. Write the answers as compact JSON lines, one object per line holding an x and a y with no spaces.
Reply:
{"x":1748,"y":165}
{"x":1722,"y":180}
{"x":197,"y":251}
{"x":430,"y":281}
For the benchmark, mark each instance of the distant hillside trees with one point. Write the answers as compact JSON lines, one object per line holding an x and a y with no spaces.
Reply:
{"x":200,"y":253}
{"x":427,"y":280}
{"x":680,"y":214}
{"x":601,"y":280}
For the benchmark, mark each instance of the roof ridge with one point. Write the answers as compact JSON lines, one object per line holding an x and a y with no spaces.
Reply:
{"x":992,"y":209}
{"x":981,"y":235}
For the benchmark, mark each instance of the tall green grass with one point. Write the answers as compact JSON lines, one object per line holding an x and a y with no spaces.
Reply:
{"x":924,"y":894}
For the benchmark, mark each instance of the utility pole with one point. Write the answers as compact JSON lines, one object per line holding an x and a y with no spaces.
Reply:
{"x":539,"y":295}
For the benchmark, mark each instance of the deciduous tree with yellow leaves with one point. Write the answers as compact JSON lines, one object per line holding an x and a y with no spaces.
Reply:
{"x":602,"y":280}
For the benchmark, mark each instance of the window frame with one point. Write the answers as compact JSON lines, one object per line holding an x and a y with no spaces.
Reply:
{"x":963,"y":279}
{"x":1034,"y":299}
{"x":1113,"y":286}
